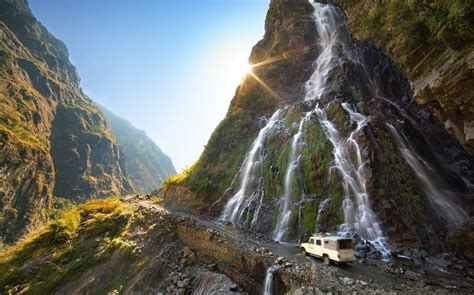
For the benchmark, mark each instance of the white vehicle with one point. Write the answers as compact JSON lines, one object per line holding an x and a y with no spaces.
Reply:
{"x":329,"y":248}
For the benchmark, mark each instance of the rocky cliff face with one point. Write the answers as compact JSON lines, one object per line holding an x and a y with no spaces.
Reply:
{"x":350,"y":149}
{"x":53,"y":139}
{"x":432,"y":42}
{"x":146,"y":164}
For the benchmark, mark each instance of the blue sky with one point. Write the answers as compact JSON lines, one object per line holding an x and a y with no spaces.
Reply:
{"x":170,"y":67}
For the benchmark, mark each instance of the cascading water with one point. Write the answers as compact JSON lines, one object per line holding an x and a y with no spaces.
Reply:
{"x":328,"y":23}
{"x":358,"y":215}
{"x":268,"y":283}
{"x":441,"y":199}
{"x":281,"y":231}
{"x":240,"y":202}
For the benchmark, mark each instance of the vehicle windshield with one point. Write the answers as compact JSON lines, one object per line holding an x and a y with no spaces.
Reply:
{"x":345,"y":244}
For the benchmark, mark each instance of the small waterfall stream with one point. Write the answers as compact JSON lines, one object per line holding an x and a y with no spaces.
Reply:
{"x":240,"y":202}
{"x":441,"y":199}
{"x":268,"y":283}
{"x":281,"y":230}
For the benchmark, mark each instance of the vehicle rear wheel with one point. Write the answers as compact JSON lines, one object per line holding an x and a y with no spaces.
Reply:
{"x":303,"y":252}
{"x":326,"y":260}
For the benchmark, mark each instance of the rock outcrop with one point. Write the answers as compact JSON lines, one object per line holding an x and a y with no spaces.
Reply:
{"x":147,"y":166}
{"x":54,"y":141}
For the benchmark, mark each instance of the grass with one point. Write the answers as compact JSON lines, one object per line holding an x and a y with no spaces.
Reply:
{"x":156,"y":200}
{"x":59,"y":252}
{"x":12,"y":125}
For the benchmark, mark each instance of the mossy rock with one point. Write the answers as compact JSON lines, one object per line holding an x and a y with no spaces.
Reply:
{"x":462,"y":239}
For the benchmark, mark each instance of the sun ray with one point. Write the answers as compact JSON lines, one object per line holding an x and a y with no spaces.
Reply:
{"x":284,"y":56}
{"x":264,"y":85}
{"x":287,"y":55}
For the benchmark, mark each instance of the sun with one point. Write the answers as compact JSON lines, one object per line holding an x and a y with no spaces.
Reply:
{"x":228,"y":62}
{"x":245,"y":69}
{"x":237,"y":68}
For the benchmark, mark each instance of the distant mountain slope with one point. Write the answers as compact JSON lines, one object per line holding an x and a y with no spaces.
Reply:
{"x":146,"y":164}
{"x":53,"y":140}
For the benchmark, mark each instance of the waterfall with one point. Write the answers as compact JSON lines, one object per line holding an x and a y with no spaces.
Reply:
{"x":358,"y":215}
{"x":440,"y":198}
{"x":268,"y":283}
{"x":328,"y":21}
{"x":284,"y":215}
{"x":257,"y":211}
{"x":240,"y":202}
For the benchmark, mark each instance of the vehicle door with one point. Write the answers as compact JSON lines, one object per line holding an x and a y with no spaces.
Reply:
{"x":311,"y":245}
{"x":318,"y":247}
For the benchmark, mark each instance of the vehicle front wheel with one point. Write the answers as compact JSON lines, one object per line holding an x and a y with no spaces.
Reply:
{"x":303,"y":252}
{"x":326,"y":260}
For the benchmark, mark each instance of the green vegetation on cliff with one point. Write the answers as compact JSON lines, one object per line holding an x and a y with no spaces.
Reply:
{"x":419,"y":23}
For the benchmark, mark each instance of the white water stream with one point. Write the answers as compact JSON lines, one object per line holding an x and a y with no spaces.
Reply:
{"x":268,"y":283}
{"x":322,"y":207}
{"x":240,"y":202}
{"x":440,"y":199}
{"x":281,"y":231}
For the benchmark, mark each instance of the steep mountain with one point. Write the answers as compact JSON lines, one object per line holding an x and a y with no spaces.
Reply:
{"x":328,"y":133}
{"x":54,"y":141}
{"x":147,"y":166}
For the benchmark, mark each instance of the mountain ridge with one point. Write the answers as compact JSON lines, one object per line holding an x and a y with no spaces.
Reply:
{"x":147,"y":165}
